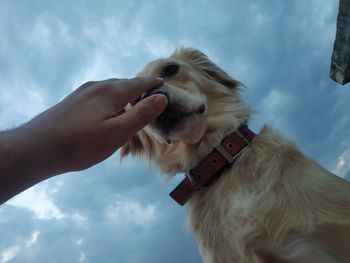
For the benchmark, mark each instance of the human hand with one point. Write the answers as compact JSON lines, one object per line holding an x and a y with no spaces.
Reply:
{"x":91,"y":124}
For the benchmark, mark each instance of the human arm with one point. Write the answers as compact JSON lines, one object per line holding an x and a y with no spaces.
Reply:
{"x":83,"y":129}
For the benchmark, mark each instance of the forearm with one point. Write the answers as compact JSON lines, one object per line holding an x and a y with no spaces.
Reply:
{"x":82,"y":130}
{"x":25,"y":160}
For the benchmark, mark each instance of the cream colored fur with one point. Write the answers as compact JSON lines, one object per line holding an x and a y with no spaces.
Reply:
{"x":274,"y":204}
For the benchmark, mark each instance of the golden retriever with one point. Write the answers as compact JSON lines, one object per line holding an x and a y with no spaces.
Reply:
{"x":272,"y":203}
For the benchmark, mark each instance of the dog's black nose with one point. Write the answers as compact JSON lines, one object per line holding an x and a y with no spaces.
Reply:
{"x":201,"y":109}
{"x":172,"y":114}
{"x":170,"y":117}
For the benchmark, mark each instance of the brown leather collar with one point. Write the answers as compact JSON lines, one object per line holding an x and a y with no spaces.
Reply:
{"x":211,"y":167}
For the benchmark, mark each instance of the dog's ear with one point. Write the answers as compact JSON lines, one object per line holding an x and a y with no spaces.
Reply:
{"x":203,"y":63}
{"x":139,"y":144}
{"x":133,"y":146}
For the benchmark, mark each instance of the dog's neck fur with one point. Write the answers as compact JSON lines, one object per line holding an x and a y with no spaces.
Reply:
{"x":210,"y":168}
{"x":251,"y":178}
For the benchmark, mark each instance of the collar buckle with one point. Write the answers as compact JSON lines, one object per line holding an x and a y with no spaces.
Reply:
{"x":245,"y":139}
{"x":229,"y":158}
{"x":203,"y":174}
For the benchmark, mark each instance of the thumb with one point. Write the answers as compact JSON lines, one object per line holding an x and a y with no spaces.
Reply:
{"x":141,"y":114}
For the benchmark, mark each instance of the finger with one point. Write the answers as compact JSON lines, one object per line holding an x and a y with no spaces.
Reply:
{"x":144,"y":112}
{"x":141,"y":85}
{"x":131,"y":89}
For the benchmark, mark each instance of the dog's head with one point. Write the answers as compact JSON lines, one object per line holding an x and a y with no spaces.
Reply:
{"x":203,"y":107}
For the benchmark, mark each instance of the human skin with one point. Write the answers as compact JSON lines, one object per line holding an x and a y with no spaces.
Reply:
{"x":82,"y":130}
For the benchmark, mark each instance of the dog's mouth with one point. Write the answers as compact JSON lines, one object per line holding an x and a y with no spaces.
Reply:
{"x":182,"y":120}
{"x":157,"y":90}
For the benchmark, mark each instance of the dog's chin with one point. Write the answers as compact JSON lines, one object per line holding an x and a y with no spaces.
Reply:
{"x":191,"y":136}
{"x":189,"y":131}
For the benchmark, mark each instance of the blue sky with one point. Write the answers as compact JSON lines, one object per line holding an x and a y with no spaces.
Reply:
{"x":114,"y":212}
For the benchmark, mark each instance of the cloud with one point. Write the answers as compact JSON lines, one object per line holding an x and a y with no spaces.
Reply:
{"x":19,"y":104}
{"x":274,"y":107}
{"x":128,"y":212}
{"x":37,"y":200}
{"x":33,"y":239}
{"x":48,"y":33}
{"x":343,"y":164}
{"x":9,"y":253}
{"x":122,"y":213}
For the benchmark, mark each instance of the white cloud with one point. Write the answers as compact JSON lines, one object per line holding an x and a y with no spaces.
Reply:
{"x":127,"y":212}
{"x":316,"y":20}
{"x":41,"y":35}
{"x":114,"y":44}
{"x":79,"y":241}
{"x":33,"y":238}
{"x":272,"y":108}
{"x":260,"y":17}
{"x":343,"y":164}
{"x":9,"y":253}
{"x":100,"y":68}
{"x":37,"y":200}
{"x":82,"y":257}
{"x":47,"y":33}
{"x":79,"y":219}
{"x":19,"y":102}
{"x":244,"y":69}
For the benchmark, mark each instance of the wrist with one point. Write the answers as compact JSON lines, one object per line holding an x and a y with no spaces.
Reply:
{"x":43,"y":149}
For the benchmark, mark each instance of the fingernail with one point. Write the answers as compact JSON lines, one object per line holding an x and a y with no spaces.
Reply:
{"x":160,"y":79}
{"x":160,"y":101}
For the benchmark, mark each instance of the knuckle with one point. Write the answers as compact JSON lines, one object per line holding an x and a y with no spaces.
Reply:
{"x":141,"y":80}
{"x":87,"y":85}
{"x":103,"y":88}
{"x":112,"y":81}
{"x":109,"y":84}
{"x":125,"y":82}
{"x":137,"y":79}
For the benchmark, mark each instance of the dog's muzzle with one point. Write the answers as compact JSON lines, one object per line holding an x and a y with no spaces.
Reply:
{"x":175,"y":111}
{"x":157,"y":90}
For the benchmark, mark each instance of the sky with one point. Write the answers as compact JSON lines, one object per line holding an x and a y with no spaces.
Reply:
{"x":121,"y":212}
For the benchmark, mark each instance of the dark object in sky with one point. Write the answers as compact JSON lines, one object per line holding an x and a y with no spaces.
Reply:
{"x":340,"y":67}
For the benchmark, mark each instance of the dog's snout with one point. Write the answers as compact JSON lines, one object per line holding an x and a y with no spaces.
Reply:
{"x":157,"y":90}
{"x":182,"y":105}
{"x":201,"y":109}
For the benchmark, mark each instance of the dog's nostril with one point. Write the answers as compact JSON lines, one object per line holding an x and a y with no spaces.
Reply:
{"x":201,"y":109}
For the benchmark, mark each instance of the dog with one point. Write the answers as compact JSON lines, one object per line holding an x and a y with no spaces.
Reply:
{"x":268,"y":202}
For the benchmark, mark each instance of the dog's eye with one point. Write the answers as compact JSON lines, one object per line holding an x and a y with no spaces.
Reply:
{"x":170,"y":70}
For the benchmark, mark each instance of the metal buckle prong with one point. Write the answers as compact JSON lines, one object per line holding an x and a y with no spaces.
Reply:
{"x":224,"y":153}
{"x":242,"y":137}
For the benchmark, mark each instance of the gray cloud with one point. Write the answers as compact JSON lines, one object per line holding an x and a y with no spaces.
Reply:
{"x":122,"y":213}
